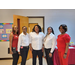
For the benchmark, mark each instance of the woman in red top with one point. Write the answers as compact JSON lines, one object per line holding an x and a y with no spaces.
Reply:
{"x":13,"y":38}
{"x":63,"y":45}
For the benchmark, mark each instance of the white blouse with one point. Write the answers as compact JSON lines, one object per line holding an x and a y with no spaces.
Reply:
{"x":23,"y":40}
{"x":36,"y":40}
{"x":50,"y":42}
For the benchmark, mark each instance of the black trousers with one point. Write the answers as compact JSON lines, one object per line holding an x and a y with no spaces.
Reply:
{"x":24,"y":53}
{"x":40,"y":54}
{"x":48,"y":59}
{"x":15,"y":58}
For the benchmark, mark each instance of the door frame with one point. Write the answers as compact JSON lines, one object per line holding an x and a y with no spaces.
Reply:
{"x":31,"y":23}
{"x":39,"y":17}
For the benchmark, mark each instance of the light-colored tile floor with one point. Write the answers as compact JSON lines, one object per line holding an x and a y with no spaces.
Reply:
{"x":28,"y":62}
{"x":6,"y":62}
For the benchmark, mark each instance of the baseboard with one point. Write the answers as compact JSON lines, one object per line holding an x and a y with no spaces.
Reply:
{"x":5,"y":58}
{"x":11,"y":58}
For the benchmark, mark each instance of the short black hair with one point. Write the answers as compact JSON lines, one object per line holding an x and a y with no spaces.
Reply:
{"x":24,"y":26}
{"x":64,"y":26}
{"x":40,"y":30}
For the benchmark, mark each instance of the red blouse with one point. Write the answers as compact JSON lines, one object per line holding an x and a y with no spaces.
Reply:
{"x":61,"y":41}
{"x":15,"y":41}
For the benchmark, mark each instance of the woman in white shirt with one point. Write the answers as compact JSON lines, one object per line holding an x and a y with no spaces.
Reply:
{"x":37,"y":43}
{"x":49,"y":44}
{"x":23,"y":45}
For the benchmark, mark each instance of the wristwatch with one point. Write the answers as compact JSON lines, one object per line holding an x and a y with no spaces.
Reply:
{"x":65,"y":53}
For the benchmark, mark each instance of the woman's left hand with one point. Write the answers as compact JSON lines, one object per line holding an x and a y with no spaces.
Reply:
{"x":50,"y":54}
{"x":42,"y":49}
{"x":64,"y":56}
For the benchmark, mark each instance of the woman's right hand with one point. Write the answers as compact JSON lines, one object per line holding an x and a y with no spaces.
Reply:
{"x":18,"y":52}
{"x":31,"y":48}
{"x":11,"y":52}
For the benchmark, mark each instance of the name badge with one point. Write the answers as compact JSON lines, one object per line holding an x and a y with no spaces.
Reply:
{"x":49,"y":37}
{"x":21,"y":47}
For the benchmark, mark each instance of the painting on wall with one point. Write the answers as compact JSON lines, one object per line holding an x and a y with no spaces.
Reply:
{"x":5,"y":30}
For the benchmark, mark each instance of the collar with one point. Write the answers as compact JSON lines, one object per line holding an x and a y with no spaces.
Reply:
{"x":51,"y":34}
{"x":23,"y":33}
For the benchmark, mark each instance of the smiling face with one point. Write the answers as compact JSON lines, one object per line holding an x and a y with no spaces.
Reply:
{"x":36,"y":29}
{"x":24,"y":29}
{"x":15,"y":29}
{"x":49,"y":30}
{"x":61,"y":29}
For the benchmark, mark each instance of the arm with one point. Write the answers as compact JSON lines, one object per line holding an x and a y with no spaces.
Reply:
{"x":67,"y":40}
{"x":19,"y":43}
{"x":43,"y":42}
{"x":43,"y":48}
{"x":67,"y":46}
{"x":30,"y":47}
{"x":53,"y":44}
{"x":66,"y":50}
{"x":10,"y":42}
{"x":30,"y":40}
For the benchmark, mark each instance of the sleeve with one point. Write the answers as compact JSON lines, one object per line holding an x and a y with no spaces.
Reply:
{"x":30,"y":40}
{"x":67,"y":38}
{"x":19,"y":43}
{"x":53,"y":44}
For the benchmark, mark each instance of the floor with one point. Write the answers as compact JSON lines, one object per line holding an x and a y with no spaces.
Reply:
{"x":28,"y":62}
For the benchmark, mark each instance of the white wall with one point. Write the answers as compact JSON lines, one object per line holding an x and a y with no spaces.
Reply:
{"x":53,"y":18}
{"x":4,"y":50}
{"x":36,"y":20}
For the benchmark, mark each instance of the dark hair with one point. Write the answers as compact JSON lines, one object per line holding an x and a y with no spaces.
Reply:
{"x":51,"y":28}
{"x":14,"y":30}
{"x":24,"y":26}
{"x":64,"y":26}
{"x":40,"y":30}
{"x":47,"y":31}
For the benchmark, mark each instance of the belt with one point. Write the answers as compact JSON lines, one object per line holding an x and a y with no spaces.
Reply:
{"x":26,"y":46}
